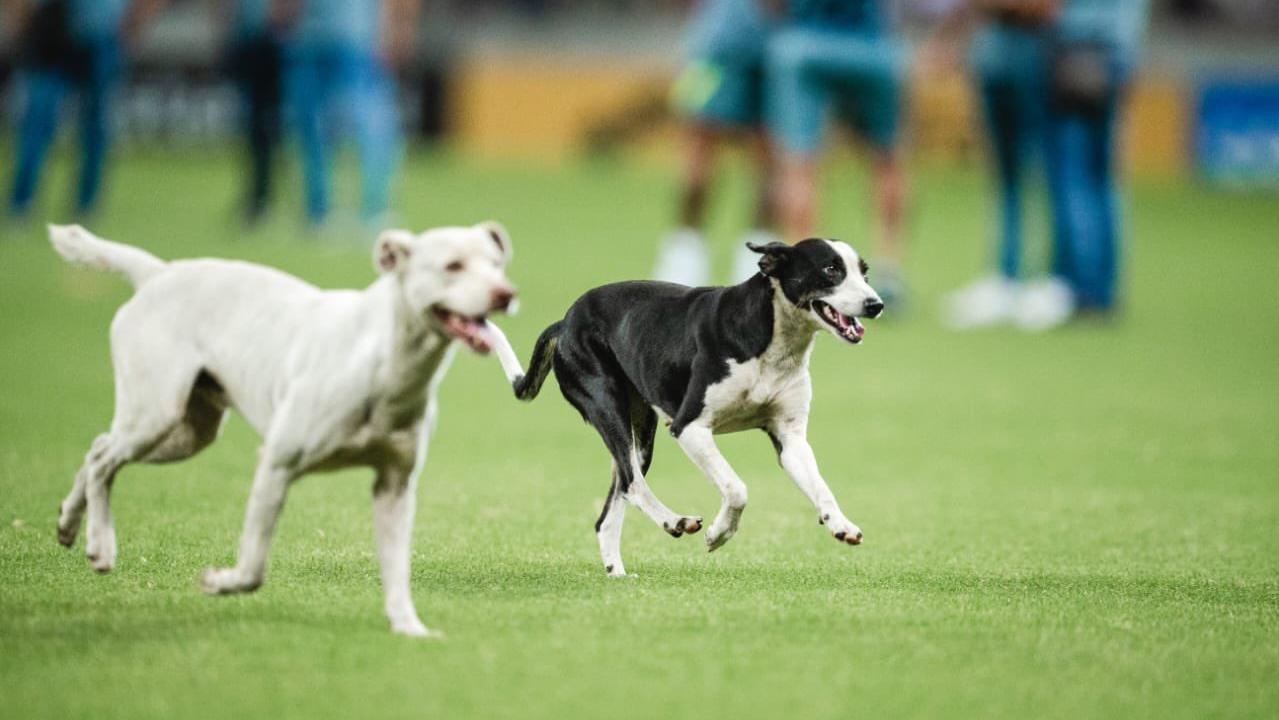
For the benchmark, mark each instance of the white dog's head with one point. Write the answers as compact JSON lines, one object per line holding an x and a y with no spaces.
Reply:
{"x":825,"y":279}
{"x":452,"y":276}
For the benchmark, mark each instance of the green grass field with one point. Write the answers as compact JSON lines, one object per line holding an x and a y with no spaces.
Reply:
{"x":1079,"y":524}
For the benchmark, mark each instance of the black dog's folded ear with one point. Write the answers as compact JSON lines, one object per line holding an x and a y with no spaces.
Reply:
{"x":775,"y":256}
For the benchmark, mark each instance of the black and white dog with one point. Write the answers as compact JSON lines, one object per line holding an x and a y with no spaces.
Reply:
{"x":708,"y":361}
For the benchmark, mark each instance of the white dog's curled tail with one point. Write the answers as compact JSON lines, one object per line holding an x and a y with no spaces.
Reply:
{"x":82,"y":247}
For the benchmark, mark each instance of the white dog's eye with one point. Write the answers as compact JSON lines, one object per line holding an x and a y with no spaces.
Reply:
{"x":455,"y":266}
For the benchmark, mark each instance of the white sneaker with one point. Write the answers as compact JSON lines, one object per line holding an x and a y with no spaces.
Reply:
{"x":1044,"y":304}
{"x":745,"y":260}
{"x":986,"y":302}
{"x":682,"y":258}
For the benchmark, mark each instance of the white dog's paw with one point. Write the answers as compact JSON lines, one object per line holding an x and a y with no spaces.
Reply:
{"x":68,"y":527}
{"x":615,"y":569}
{"x":99,"y":548}
{"x":414,"y":628}
{"x":683,"y":525}
{"x":224,"y":581}
{"x":842,"y":528}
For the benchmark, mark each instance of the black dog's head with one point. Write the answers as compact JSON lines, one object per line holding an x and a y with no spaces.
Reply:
{"x":825,"y":278}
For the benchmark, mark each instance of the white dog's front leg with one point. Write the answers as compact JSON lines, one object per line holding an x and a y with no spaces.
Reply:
{"x":699,"y":444}
{"x":800,"y":463}
{"x":394,"y":503}
{"x":270,"y":484}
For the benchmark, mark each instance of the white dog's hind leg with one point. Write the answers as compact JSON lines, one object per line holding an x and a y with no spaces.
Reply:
{"x":799,"y":462}
{"x":71,"y":511}
{"x":394,"y":502}
{"x":105,"y":459}
{"x":270,"y":485}
{"x":699,"y":444}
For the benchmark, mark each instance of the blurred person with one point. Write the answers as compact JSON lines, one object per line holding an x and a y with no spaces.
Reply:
{"x":719,"y":94}
{"x":842,"y":57}
{"x":1097,"y":46}
{"x":1009,"y":56}
{"x":254,"y":60}
{"x":340,"y":57}
{"x":66,"y":47}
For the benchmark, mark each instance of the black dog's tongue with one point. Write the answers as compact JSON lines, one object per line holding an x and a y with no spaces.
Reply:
{"x":858,"y":329}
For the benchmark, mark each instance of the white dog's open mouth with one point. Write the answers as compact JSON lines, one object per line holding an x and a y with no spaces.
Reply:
{"x":472,"y":331}
{"x":845,"y":326}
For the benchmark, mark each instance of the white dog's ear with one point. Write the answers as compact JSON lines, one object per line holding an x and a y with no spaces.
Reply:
{"x":497,"y":233}
{"x":392,"y":250}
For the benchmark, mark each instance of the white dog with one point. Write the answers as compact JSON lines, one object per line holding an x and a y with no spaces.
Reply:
{"x":330,"y":379}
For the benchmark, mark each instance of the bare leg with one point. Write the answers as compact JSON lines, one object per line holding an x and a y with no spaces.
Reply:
{"x":890,"y":202}
{"x":797,"y":197}
{"x":270,"y":484}
{"x":699,"y":444}
{"x":798,"y":461}
{"x":700,"y":144}
{"x":766,"y":199}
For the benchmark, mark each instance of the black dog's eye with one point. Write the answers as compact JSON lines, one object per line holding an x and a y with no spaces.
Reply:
{"x":861,"y":264}
{"x":831,"y":271}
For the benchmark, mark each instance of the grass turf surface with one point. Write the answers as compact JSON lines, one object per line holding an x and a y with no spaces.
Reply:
{"x":1076,"y":524}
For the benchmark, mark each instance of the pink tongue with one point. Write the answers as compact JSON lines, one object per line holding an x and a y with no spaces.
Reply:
{"x":471,"y":332}
{"x":858,"y":330}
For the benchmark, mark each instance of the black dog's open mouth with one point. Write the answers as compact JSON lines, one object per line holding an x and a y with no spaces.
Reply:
{"x":845,"y":326}
{"x":471,"y":330}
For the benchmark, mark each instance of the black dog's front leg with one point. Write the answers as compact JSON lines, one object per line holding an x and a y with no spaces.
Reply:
{"x":692,"y":429}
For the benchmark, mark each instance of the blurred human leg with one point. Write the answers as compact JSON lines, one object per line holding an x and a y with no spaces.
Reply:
{"x":1084,"y":204}
{"x":1000,"y":106}
{"x":308,"y":81}
{"x":1013,"y":137}
{"x":763,"y":231}
{"x":95,"y":137}
{"x":378,"y":136}
{"x":716,"y":99}
{"x":797,"y":102}
{"x":682,"y":255}
{"x":43,"y":92}
{"x":257,"y":64}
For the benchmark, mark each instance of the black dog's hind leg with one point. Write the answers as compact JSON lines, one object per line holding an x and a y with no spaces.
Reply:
{"x":605,"y":400}
{"x":602,"y":395}
{"x":644,"y":430}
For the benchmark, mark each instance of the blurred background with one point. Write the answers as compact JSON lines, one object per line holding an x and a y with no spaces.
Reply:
{"x":549,"y":79}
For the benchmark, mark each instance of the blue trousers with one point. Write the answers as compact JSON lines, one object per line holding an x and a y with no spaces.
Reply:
{"x":1014,"y":107}
{"x":335,"y":90}
{"x":1085,"y":222}
{"x":38,"y":124}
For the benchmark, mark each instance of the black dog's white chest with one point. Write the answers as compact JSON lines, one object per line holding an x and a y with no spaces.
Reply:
{"x":755,"y":391}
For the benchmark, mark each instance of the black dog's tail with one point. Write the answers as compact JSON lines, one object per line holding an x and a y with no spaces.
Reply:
{"x":539,"y":366}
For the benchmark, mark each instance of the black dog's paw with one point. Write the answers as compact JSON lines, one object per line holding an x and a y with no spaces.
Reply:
{"x":687,"y":525}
